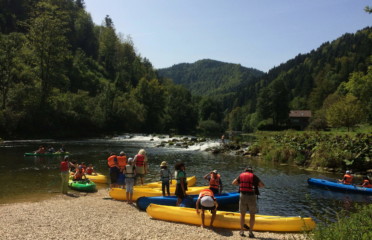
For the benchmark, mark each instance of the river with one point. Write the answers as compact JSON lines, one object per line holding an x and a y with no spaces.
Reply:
{"x":286,"y":193}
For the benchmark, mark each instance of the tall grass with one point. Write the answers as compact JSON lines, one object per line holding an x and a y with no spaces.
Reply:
{"x":355,"y":226}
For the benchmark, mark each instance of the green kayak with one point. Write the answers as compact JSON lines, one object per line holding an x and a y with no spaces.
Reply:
{"x":47,"y":154}
{"x":82,"y":185}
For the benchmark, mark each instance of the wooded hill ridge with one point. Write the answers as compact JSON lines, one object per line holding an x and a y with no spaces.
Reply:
{"x":61,"y":75}
{"x":210,"y":77}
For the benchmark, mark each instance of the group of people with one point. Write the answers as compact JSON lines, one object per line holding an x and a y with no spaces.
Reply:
{"x":50,"y":149}
{"x":348,"y":179}
{"x":125,"y":172}
{"x":78,"y":172}
{"x":248,"y":187}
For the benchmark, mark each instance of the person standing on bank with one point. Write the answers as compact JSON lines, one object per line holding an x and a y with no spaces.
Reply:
{"x":248,"y":188}
{"x":112,"y":162}
{"x":130,"y":173}
{"x":215,"y":183}
{"x":65,"y":173}
{"x":140,"y":161}
{"x":165,"y":178}
{"x":181,"y":186}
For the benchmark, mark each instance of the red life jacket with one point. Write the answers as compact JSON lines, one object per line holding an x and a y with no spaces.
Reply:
{"x":122,"y":161}
{"x":89,"y":170}
{"x":140,"y":160}
{"x":206,"y":192}
{"x":348,"y":179}
{"x":214,"y":182}
{"x":64,"y":166}
{"x":367,"y":183}
{"x":111,"y":161}
{"x":246,"y":182}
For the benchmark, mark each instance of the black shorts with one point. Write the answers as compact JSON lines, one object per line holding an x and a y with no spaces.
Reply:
{"x":114,"y":174}
{"x":179,"y":193}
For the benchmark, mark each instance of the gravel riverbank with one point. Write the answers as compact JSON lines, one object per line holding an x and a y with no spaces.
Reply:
{"x":97,"y":216}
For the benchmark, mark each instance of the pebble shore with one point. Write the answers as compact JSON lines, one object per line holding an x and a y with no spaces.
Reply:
{"x":97,"y":216}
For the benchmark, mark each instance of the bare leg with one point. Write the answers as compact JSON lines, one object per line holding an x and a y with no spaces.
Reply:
{"x":213,"y":217}
{"x":252,"y":221}
{"x":202,"y":218}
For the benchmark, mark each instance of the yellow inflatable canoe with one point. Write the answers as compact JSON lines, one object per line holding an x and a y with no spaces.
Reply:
{"x":230,"y":220}
{"x":120,"y":194}
{"x":191,"y":181}
{"x":98,"y":178}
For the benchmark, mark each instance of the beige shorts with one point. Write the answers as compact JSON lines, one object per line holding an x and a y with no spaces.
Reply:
{"x":248,"y":202}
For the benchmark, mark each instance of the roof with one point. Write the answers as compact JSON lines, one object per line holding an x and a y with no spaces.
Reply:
{"x":300,"y":113}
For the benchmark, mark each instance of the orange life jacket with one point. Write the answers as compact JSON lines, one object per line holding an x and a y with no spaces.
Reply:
{"x":246,"y":182}
{"x":348,"y":179}
{"x":140,"y":160}
{"x":214,"y":182}
{"x":122,"y":161}
{"x":206,"y":192}
{"x":111,"y":161}
{"x":78,"y":175}
{"x":367,"y":183}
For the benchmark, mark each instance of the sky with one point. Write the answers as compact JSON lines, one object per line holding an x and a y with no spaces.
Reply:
{"x":257,"y":34}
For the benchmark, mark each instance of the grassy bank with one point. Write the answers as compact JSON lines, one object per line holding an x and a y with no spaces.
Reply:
{"x":321,"y":151}
{"x":355,"y":226}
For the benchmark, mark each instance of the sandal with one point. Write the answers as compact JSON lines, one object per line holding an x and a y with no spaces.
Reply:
{"x":241,"y":233}
{"x":251,"y":235}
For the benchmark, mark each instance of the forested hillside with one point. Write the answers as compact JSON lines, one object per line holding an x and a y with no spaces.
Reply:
{"x":209,"y":77}
{"x":61,"y":75}
{"x":334,"y":81}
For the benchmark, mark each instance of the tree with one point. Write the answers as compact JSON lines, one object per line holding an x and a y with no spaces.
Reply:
{"x":347,"y":112}
{"x":49,"y":47}
{"x":10,"y":46}
{"x":360,"y":85}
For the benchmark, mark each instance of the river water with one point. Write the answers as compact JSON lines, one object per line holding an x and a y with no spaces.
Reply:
{"x":286,"y":193}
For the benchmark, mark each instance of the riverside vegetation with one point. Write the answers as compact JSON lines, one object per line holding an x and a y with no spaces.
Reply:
{"x":320,"y":151}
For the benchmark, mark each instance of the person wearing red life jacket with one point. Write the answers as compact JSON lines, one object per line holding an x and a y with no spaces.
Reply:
{"x":112,"y":162}
{"x":140,"y":162}
{"x":348,"y":178}
{"x":207,"y":201}
{"x":366,"y":182}
{"x":65,"y":167}
{"x":215,"y":183}
{"x":248,"y":187}
{"x":90,"y":170}
{"x":79,"y":174}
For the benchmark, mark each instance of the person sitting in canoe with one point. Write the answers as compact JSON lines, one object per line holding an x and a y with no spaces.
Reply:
{"x":79,"y":175}
{"x":51,"y":149}
{"x":41,"y":150}
{"x":366,"y":182}
{"x":348,"y":178}
{"x":207,"y":201}
{"x":215,"y":183}
{"x":90,"y":170}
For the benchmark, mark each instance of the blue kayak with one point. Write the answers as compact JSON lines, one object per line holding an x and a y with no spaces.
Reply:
{"x":189,"y":201}
{"x":338,"y":186}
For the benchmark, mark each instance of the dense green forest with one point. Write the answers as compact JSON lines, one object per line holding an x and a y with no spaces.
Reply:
{"x":61,"y":75}
{"x":333,"y":81}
